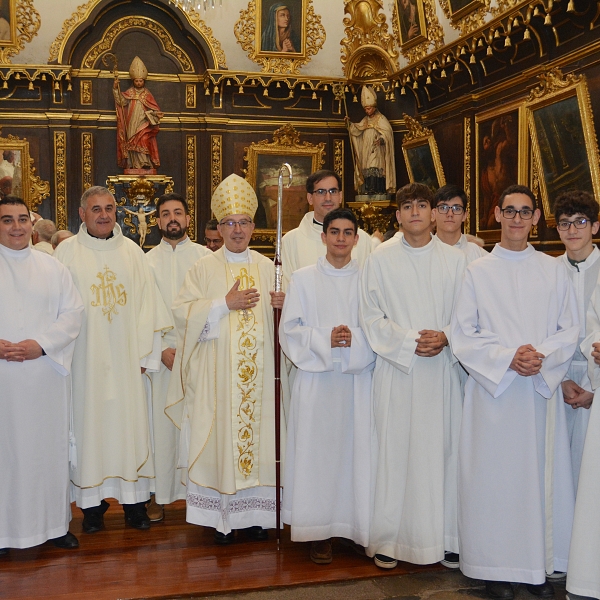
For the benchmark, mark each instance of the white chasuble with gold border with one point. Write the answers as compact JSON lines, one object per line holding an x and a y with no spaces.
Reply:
{"x":110,"y":411}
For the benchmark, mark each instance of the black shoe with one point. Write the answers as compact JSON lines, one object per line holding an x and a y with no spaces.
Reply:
{"x":542,"y":590}
{"x":223,"y":539}
{"x":3,"y":552}
{"x":136,"y":516}
{"x":67,"y":541}
{"x":93,"y":518}
{"x":257,"y":534}
{"x":385,"y":562}
{"x":500,"y":590}
{"x":451,"y":560}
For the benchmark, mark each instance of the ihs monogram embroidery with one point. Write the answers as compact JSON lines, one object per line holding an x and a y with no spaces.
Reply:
{"x":108,"y":295}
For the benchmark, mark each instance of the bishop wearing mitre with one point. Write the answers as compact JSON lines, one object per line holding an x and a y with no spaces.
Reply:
{"x":222,"y":392}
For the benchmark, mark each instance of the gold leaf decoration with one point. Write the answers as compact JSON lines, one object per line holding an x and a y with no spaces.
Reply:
{"x":415,"y":129}
{"x":468,"y":22}
{"x":81,"y":13}
{"x":28,"y":24}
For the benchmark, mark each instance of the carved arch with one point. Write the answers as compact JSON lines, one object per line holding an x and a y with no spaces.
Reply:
{"x":87,"y":16}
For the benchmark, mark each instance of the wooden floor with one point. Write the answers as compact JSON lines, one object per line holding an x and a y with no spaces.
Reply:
{"x":172,"y":559}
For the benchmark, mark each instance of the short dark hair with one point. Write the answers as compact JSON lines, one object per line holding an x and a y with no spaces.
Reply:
{"x":448,"y":192}
{"x":340,"y":213}
{"x":517,"y":189}
{"x":574,"y":202}
{"x":167,"y":198}
{"x":317,"y":176}
{"x":211,"y":225}
{"x":13,"y":200}
{"x":414,"y":191}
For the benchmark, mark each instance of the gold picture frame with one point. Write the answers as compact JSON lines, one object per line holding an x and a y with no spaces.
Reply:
{"x":411,"y":23}
{"x":462,"y":8}
{"x":421,"y":155}
{"x":501,"y":159}
{"x":8,"y":24}
{"x":17,"y":173}
{"x":264,"y":160}
{"x":563,"y":138}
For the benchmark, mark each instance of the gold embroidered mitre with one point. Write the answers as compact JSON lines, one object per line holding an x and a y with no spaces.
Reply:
{"x":368,"y":97}
{"x":138,"y":70}
{"x":234,"y":196}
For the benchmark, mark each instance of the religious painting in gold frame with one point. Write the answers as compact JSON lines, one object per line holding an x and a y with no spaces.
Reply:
{"x":500,"y":160}
{"x":411,"y":23}
{"x":264,"y":159}
{"x":17,"y":173}
{"x":281,"y":28}
{"x":423,"y":161}
{"x":461,"y":8}
{"x":563,"y":138}
{"x":8,"y":24}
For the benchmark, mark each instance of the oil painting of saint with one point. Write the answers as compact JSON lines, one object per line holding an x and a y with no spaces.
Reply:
{"x":280,"y":27}
{"x":410,"y":18}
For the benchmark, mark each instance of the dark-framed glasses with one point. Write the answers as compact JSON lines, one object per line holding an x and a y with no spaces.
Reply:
{"x":579,"y":224}
{"x":323,"y":192}
{"x":511,"y":213}
{"x":229,"y":223}
{"x":457,"y":209}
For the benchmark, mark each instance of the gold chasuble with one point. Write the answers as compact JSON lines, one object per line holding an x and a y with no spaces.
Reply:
{"x":222,"y":393}
{"x":122,"y":312}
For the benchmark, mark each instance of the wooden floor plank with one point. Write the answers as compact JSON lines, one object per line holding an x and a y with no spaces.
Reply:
{"x":174,"y":558}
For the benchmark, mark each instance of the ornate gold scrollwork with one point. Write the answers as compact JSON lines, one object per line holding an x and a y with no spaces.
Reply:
{"x":79,"y":16}
{"x":27,"y":25}
{"x":128,"y":23}
{"x":338,"y":157}
{"x":467,"y":176}
{"x":245,"y":32}
{"x":216,"y":161}
{"x":467,"y":20}
{"x":551,"y":82}
{"x":190,"y":95}
{"x":60,"y":178}
{"x":85,"y":92}
{"x":435,"y":33}
{"x":368,"y":50}
{"x":87,"y":160}
{"x":190,"y":183}
{"x":415,"y":129}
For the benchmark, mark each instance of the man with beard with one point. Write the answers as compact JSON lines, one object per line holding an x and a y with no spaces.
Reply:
{"x":169,"y":262}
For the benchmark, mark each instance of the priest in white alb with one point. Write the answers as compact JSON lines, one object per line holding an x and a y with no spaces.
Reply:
{"x":515,"y":330}
{"x":222,"y":390}
{"x":120,"y":339}
{"x":302,"y":246}
{"x":40,"y":317}
{"x":408,"y":292}
{"x":327,"y":482}
{"x":169,"y":263}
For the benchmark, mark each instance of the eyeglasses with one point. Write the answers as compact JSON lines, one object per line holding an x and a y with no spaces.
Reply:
{"x":511,"y":213}
{"x":457,"y":209}
{"x":323,"y":192}
{"x":566,"y":225}
{"x":244,"y":223}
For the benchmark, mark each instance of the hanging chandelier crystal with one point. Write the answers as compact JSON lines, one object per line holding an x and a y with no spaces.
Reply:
{"x":196,"y":5}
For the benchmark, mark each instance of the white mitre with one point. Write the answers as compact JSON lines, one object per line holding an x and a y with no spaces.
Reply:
{"x":138,"y":70}
{"x":233,"y":196}
{"x":368,"y":97}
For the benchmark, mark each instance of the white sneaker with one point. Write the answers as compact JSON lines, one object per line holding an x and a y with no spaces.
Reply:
{"x":450,"y":560}
{"x":385,"y":562}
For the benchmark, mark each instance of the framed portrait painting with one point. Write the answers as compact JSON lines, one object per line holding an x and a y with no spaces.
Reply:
{"x":264,"y":159}
{"x":281,"y":28}
{"x":411,"y":23}
{"x":8,"y":23}
{"x":423,"y":162}
{"x":501,"y":160}
{"x":563,"y":140}
{"x":461,"y":8}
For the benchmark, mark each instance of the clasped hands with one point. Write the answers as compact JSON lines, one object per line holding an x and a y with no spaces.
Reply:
{"x":527,"y":361}
{"x":431,"y":343}
{"x":25,"y":350}
{"x":341,"y":337}
{"x":575,"y":396}
{"x":237,"y":299}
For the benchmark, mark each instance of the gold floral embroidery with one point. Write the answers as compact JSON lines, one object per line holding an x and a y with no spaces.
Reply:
{"x":108,"y":294}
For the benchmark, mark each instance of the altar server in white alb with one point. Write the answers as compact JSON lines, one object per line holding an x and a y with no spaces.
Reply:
{"x":40,"y":317}
{"x":120,"y":339}
{"x":408,"y":292}
{"x":583,"y":576}
{"x":302,"y":246}
{"x":576,"y":215}
{"x":515,"y":330}
{"x":327,"y":479}
{"x":451,"y":204}
{"x":221,"y":390}
{"x":169,"y":262}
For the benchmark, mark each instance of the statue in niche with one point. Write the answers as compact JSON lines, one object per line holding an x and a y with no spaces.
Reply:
{"x":372,"y":142}
{"x":138,"y":116}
